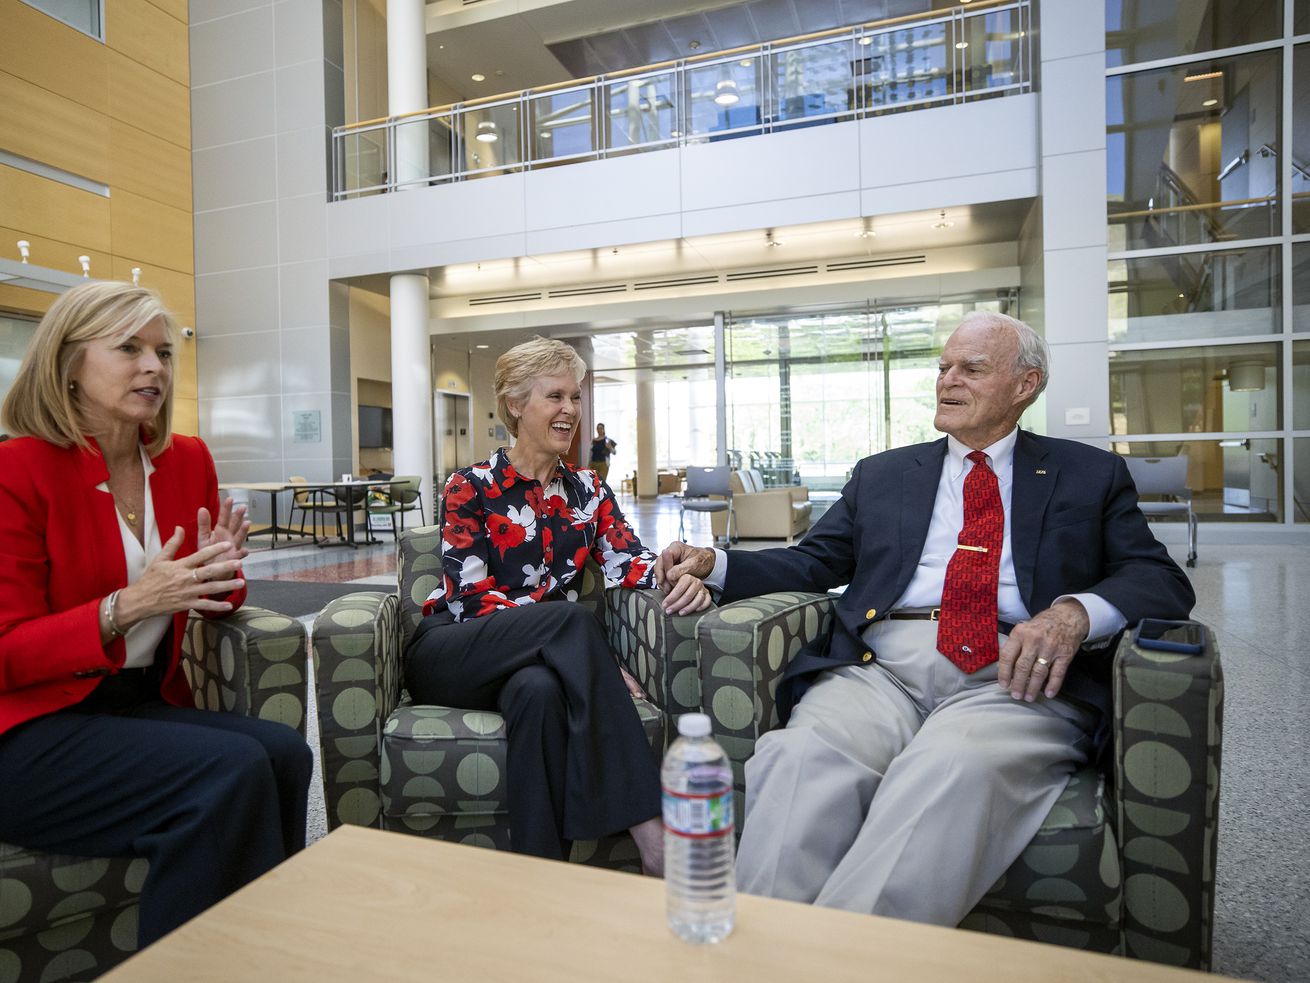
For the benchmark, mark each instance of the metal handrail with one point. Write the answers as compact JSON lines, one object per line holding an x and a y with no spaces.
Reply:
{"x":675,"y":103}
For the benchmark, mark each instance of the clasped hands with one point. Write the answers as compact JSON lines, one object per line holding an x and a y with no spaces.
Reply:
{"x":680,"y":571}
{"x":169,"y":585}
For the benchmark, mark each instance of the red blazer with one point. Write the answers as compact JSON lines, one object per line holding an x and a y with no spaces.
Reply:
{"x":61,"y":552}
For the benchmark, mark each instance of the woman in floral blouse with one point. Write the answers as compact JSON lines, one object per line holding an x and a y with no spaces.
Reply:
{"x":517,"y":530}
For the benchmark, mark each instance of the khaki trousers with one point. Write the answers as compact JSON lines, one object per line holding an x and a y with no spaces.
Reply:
{"x":905,"y":787}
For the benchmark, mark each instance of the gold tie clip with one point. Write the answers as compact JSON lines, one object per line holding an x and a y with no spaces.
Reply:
{"x":972,"y":549}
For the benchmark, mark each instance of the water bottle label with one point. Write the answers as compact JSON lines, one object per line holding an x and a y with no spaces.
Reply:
{"x":698,"y":816}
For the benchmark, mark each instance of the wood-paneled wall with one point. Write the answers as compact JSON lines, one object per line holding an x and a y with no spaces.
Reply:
{"x":118,"y":113}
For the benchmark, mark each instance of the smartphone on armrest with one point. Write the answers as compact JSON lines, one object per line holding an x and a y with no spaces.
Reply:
{"x":1186,"y":637}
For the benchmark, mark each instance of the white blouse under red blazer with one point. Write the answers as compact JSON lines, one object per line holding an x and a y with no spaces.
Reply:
{"x":61,"y":552}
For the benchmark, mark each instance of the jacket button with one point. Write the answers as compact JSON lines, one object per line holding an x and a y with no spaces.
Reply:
{"x":866,"y":657}
{"x":870,"y":614}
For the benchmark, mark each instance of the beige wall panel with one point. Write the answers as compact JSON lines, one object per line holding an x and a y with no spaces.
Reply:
{"x":174,"y":8}
{"x":147,"y":35}
{"x":177,"y":289}
{"x":186,"y":416}
{"x":148,"y":166}
{"x":52,"y":55}
{"x":159,"y":234}
{"x":47,"y":127}
{"x":184,"y":371}
{"x":149,"y":101}
{"x":52,"y":253}
{"x":53,"y":210}
{"x":20,"y":300}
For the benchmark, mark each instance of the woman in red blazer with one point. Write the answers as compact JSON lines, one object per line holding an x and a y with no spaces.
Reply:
{"x":110,"y":533}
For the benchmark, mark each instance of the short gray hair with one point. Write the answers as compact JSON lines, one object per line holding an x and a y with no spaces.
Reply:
{"x":1032,"y":354}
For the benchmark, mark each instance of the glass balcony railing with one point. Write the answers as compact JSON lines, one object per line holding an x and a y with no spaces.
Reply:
{"x":978,"y":51}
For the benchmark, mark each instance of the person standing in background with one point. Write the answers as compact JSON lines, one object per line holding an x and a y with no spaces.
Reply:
{"x":601,"y":449}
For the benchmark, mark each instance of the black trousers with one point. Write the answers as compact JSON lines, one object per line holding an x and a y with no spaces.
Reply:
{"x":579,"y":765}
{"x":213,"y":800}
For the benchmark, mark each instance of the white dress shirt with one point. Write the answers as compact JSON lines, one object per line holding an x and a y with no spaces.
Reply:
{"x":143,"y":637}
{"x":925,"y":587}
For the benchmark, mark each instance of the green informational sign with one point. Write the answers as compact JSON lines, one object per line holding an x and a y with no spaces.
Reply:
{"x":306,"y":426}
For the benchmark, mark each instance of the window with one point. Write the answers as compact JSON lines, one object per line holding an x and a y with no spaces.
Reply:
{"x":1197,"y":295}
{"x":1218,"y":389}
{"x":1144,"y":30}
{"x":1235,"y":480}
{"x":86,"y":16}
{"x":15,"y":337}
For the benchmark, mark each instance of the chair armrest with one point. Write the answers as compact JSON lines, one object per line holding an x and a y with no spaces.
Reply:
{"x":800,"y":493}
{"x":658,"y":649}
{"x":743,"y":650}
{"x":1168,"y":729}
{"x":251,"y":662}
{"x":358,"y":678}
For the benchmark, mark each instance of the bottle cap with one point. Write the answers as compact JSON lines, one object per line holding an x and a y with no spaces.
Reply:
{"x":694,"y":725}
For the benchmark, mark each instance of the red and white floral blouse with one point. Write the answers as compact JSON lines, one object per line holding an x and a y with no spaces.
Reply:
{"x":507,"y":541}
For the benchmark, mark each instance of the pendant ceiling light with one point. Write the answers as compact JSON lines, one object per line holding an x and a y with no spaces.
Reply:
{"x":725,"y":93}
{"x":487,"y":132}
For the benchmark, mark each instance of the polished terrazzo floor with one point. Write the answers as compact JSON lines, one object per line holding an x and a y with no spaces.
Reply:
{"x":1257,"y":598}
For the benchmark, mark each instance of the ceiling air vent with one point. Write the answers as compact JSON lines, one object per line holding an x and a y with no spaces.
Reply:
{"x":606,"y":288}
{"x":873,"y":264}
{"x":677,"y":281}
{"x":771,"y":274}
{"x":503,"y":299}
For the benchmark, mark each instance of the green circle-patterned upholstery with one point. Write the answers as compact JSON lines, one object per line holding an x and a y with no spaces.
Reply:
{"x":73,"y":918}
{"x":440,"y":771}
{"x":1123,"y":866}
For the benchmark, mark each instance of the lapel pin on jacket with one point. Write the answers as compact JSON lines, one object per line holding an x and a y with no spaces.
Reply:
{"x":1041,"y":471}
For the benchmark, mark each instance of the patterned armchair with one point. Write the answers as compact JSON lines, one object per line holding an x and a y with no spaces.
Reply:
{"x":64,"y":917}
{"x":1125,"y":861}
{"x":440,"y":771}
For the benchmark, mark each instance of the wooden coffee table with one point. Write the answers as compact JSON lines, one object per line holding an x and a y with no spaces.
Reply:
{"x":363,"y":905}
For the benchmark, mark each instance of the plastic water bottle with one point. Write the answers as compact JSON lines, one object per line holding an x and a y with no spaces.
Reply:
{"x":700,"y":887}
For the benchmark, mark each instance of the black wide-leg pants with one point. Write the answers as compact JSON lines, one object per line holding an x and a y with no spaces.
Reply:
{"x":579,"y":764}
{"x":212,"y":800}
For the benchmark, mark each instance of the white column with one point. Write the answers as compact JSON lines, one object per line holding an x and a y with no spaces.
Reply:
{"x":1074,"y":237}
{"x":648,"y":478}
{"x":411,"y":376}
{"x":411,"y":382}
{"x":407,"y":88}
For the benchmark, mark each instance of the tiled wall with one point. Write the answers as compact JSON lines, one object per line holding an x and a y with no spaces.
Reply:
{"x":273,"y":333}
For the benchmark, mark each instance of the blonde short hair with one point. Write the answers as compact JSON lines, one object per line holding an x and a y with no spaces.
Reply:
{"x":520,"y":367}
{"x":41,"y":404}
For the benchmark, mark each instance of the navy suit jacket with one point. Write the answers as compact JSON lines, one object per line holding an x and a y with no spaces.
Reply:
{"x":1074,"y":524}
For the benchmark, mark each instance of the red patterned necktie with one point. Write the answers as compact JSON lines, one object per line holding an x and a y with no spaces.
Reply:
{"x":967,"y":632}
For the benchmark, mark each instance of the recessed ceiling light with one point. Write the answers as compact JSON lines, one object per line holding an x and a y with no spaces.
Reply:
{"x":478,"y":77}
{"x":481,"y":346}
{"x":961,"y":45}
{"x":1210,"y":102}
{"x":746,"y":63}
{"x":693,"y":45}
{"x":866,"y":40}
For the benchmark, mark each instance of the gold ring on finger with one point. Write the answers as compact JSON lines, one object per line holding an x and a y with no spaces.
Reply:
{"x":1043,"y":662}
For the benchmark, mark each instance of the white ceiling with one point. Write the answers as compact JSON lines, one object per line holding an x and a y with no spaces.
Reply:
{"x":890,"y":234}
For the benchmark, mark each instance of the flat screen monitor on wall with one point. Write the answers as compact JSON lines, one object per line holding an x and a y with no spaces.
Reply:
{"x":374,"y":426}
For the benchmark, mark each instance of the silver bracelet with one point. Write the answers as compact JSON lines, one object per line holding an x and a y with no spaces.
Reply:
{"x":110,"y":603}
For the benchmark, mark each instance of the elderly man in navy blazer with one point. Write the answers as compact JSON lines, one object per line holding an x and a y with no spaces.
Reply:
{"x":967,"y":674}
